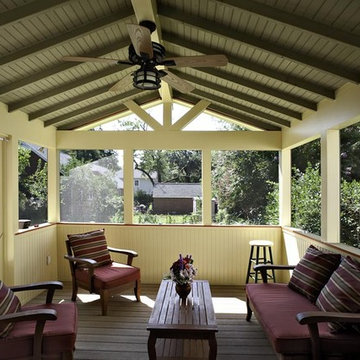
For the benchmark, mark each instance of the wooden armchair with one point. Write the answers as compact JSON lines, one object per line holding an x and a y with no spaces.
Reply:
{"x":45,"y":331}
{"x":92,"y":268}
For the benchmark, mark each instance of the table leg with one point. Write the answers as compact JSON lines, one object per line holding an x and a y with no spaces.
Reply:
{"x":151,"y":346}
{"x":213,"y":347}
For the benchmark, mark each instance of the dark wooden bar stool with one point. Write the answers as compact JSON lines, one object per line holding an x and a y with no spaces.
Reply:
{"x":263,"y":255}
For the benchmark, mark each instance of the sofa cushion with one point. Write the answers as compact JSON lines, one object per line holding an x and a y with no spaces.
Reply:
{"x":275,"y":307}
{"x":59,"y":335}
{"x":90,"y":245}
{"x":110,"y":276}
{"x":313,"y":272}
{"x":341,"y":293}
{"x":9,"y":303}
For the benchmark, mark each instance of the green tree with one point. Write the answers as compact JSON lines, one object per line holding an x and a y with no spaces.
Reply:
{"x":241,"y":181}
{"x":306,"y":199}
{"x":32,"y":177}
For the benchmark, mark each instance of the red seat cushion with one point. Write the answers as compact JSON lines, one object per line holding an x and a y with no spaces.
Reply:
{"x":59,"y":335}
{"x":276,"y":306}
{"x":110,"y":276}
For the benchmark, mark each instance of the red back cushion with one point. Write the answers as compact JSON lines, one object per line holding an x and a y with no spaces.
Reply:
{"x":313,"y":272}
{"x":90,"y":245}
{"x":342,"y":293}
{"x":9,"y":303}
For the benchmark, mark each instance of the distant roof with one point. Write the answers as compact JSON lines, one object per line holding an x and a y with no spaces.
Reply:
{"x":177,"y":190}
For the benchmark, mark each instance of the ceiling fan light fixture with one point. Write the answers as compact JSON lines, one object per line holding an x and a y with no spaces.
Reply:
{"x":146,"y":78}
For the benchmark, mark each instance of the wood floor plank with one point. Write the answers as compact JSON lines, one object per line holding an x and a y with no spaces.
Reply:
{"x":123,"y":335}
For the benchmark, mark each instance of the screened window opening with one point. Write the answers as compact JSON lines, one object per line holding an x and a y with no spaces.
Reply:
{"x":33,"y":184}
{"x":306,"y":187}
{"x":91,"y":186}
{"x":169,"y":190}
{"x":350,"y":185}
{"x":245,"y":187}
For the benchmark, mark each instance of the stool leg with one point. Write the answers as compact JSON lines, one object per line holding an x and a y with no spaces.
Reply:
{"x":257,"y":262}
{"x":249,"y":265}
{"x":271,"y":261}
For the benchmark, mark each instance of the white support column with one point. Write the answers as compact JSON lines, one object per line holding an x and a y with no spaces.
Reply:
{"x":206,"y":187}
{"x":330,"y":186}
{"x":285,"y":187}
{"x":11,"y":204}
{"x":53,"y":185}
{"x":128,"y":186}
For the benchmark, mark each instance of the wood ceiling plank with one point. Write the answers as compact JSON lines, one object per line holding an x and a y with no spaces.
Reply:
{"x":30,"y":9}
{"x":94,"y":105}
{"x":108,"y":113}
{"x":239,"y":95}
{"x":225,"y":31}
{"x":288,"y":97}
{"x":67,"y":103}
{"x":243,"y":108}
{"x":60,"y":67}
{"x":66,"y":36}
{"x":258,"y":68}
{"x":294,"y":20}
{"x":66,"y":87}
{"x":231,"y":114}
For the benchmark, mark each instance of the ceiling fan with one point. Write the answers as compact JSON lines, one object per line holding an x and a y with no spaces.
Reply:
{"x":148,"y":55}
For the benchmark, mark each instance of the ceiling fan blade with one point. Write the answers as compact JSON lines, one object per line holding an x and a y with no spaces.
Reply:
{"x":90,"y":59}
{"x":122,"y":83}
{"x":141,"y":39}
{"x":197,"y":61}
{"x":178,"y":83}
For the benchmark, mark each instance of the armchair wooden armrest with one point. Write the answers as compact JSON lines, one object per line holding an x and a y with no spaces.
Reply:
{"x":50,"y":286}
{"x":312,"y":318}
{"x":29,"y":315}
{"x":130,"y":253}
{"x":264,"y":267}
{"x":84,"y":261}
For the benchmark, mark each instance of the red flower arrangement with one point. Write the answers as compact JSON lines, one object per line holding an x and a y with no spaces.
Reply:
{"x":182,"y":270}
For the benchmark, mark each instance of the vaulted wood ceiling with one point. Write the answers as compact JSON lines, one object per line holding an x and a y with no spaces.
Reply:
{"x":284,"y":56}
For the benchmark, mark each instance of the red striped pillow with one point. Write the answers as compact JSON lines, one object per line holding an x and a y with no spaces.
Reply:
{"x":342,"y":293}
{"x":313,"y":272}
{"x":90,"y":245}
{"x":9,"y":303}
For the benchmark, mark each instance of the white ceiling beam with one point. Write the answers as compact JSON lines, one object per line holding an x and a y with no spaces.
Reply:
{"x":142,"y":114}
{"x":147,"y":10}
{"x":191,"y":115}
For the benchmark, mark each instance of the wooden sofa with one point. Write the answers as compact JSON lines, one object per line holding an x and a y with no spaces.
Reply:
{"x":284,"y":314}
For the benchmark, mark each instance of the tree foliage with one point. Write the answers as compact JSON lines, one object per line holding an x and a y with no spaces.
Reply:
{"x":241,"y":182}
{"x":170,"y":165}
{"x":32,"y":186}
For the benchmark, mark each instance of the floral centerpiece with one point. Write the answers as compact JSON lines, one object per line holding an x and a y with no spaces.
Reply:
{"x":182,"y":270}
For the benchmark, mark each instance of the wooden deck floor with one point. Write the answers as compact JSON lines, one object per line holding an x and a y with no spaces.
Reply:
{"x":123,"y":335}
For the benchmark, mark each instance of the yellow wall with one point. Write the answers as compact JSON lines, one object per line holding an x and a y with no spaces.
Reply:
{"x":31,"y":251}
{"x":220,"y":253}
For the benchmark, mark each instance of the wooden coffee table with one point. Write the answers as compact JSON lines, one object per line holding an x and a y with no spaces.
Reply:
{"x":172,"y":320}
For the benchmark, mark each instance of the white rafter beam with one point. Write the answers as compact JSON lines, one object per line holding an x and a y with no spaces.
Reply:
{"x":197,"y":109}
{"x":142,"y":114}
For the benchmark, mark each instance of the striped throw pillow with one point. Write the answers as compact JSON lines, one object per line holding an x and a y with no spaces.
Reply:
{"x":342,"y":293}
{"x":313,"y":272}
{"x":9,"y":303}
{"x":90,"y":245}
